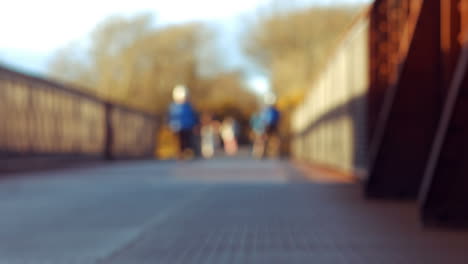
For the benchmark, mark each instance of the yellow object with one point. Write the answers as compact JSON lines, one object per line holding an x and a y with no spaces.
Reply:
{"x":167,"y":144}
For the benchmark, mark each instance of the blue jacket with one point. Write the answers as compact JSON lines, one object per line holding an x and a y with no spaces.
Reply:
{"x":270,"y":116}
{"x":182,"y":116}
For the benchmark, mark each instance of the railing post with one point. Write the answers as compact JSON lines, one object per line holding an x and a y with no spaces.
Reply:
{"x":109,"y":132}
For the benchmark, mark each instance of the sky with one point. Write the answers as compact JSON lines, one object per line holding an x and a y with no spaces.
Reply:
{"x":31,"y":30}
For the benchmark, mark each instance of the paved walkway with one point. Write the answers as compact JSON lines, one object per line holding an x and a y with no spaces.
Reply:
{"x":223,"y":211}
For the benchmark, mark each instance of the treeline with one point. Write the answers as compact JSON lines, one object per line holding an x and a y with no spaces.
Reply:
{"x":294,"y":46}
{"x":131,"y":61}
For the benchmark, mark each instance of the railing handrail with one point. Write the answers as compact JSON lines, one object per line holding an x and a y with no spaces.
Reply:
{"x":73,"y":90}
{"x":365,"y":13}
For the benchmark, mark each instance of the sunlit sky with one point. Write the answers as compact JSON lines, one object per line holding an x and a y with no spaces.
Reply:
{"x":31,"y":30}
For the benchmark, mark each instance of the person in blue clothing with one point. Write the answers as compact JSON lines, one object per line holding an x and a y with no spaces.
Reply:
{"x":270,"y":115}
{"x":182,"y":120}
{"x":258,"y":131}
{"x":270,"y":119}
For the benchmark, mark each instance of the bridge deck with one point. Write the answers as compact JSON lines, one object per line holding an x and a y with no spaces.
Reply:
{"x":223,"y":211}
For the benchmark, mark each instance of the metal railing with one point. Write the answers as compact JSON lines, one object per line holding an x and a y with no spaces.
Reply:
{"x":330,"y":125}
{"x":417,"y":116}
{"x":43,"y":117}
{"x":341,"y":114}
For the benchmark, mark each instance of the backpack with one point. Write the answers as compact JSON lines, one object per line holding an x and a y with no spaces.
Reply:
{"x":271,"y":116}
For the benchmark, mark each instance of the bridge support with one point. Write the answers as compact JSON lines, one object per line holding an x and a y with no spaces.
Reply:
{"x":443,"y":197}
{"x":410,"y":115}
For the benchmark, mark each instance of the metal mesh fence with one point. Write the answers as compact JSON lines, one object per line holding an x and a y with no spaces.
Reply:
{"x":41,"y":117}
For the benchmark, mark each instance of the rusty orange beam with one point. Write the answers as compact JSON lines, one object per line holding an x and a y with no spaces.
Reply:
{"x":409,"y":117}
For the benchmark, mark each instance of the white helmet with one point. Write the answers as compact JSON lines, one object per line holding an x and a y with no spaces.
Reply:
{"x":180,"y":93}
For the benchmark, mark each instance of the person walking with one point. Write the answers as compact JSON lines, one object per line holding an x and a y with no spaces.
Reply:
{"x":229,"y":131}
{"x":182,"y":121}
{"x":208,"y":135}
{"x":270,"y":118}
{"x":258,"y":131}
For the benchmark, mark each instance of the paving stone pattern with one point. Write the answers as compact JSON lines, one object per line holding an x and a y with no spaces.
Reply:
{"x":222,"y":211}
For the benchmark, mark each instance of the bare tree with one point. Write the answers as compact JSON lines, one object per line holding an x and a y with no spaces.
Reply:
{"x":131,"y":61}
{"x":293,"y":45}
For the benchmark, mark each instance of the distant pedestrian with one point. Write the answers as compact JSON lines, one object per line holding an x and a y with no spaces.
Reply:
{"x":209,"y":135}
{"x":258,"y":130}
{"x":229,"y":132}
{"x":182,"y":121}
{"x":270,"y":118}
